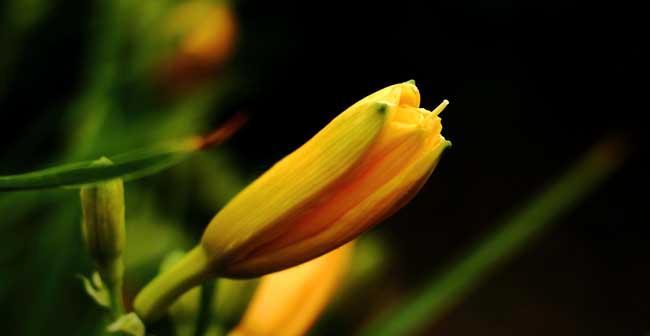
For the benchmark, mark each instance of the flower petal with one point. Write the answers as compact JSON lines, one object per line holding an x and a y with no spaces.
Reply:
{"x":296,"y":179}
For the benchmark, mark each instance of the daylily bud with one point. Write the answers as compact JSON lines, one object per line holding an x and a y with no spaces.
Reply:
{"x":103,"y":225}
{"x":287,"y":303}
{"x":359,"y":169}
{"x":363,"y":166}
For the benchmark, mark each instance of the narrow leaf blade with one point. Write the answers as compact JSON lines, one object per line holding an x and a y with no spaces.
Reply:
{"x":516,"y":232}
{"x":129,"y":166}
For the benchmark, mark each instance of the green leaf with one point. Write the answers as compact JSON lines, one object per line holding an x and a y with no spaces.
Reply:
{"x":128,"y":166}
{"x":96,"y":290}
{"x":129,"y":324}
{"x":515,"y":233}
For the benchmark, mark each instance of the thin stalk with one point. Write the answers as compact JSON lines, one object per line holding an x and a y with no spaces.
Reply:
{"x":203,"y":319}
{"x":113,"y":277}
{"x":155,"y":298}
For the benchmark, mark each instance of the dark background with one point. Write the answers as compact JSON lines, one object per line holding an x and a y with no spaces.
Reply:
{"x":531,"y":86}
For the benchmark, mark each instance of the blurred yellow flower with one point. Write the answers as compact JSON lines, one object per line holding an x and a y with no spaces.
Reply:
{"x":287,"y":303}
{"x":206,"y":31}
{"x":363,"y":166}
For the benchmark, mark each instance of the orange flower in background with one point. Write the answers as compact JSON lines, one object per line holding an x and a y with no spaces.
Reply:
{"x":361,"y":168}
{"x":206,"y":31}
{"x":289,"y":302}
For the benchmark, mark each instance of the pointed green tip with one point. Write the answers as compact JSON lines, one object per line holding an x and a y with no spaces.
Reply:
{"x":382,"y":107}
{"x":411,"y":81}
{"x":102,"y":161}
{"x":449,"y":144}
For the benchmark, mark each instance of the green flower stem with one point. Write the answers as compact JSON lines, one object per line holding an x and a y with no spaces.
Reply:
{"x":152,"y":302}
{"x":112,"y":275}
{"x":203,"y":319}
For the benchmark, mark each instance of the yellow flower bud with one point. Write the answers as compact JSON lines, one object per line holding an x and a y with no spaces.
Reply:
{"x":359,"y":169}
{"x":287,"y":303}
{"x":363,"y":166}
{"x":103,"y":224}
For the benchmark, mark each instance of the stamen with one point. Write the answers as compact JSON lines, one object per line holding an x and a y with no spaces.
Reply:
{"x":440,"y":107}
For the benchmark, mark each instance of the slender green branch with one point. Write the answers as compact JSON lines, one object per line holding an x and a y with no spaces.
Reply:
{"x":203,"y":319}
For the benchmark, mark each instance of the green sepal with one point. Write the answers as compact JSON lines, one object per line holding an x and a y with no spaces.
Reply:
{"x":129,"y":323}
{"x":95,"y":288}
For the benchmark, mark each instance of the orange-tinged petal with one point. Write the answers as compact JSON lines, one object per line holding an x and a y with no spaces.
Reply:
{"x":348,"y":217}
{"x":287,"y":303}
{"x":296,"y":179}
{"x":400,"y":146}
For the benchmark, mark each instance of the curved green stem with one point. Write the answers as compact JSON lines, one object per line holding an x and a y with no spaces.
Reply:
{"x":152,"y":302}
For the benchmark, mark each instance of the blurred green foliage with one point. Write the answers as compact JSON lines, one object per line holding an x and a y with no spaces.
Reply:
{"x":118,"y":108}
{"x":120,"y":105}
